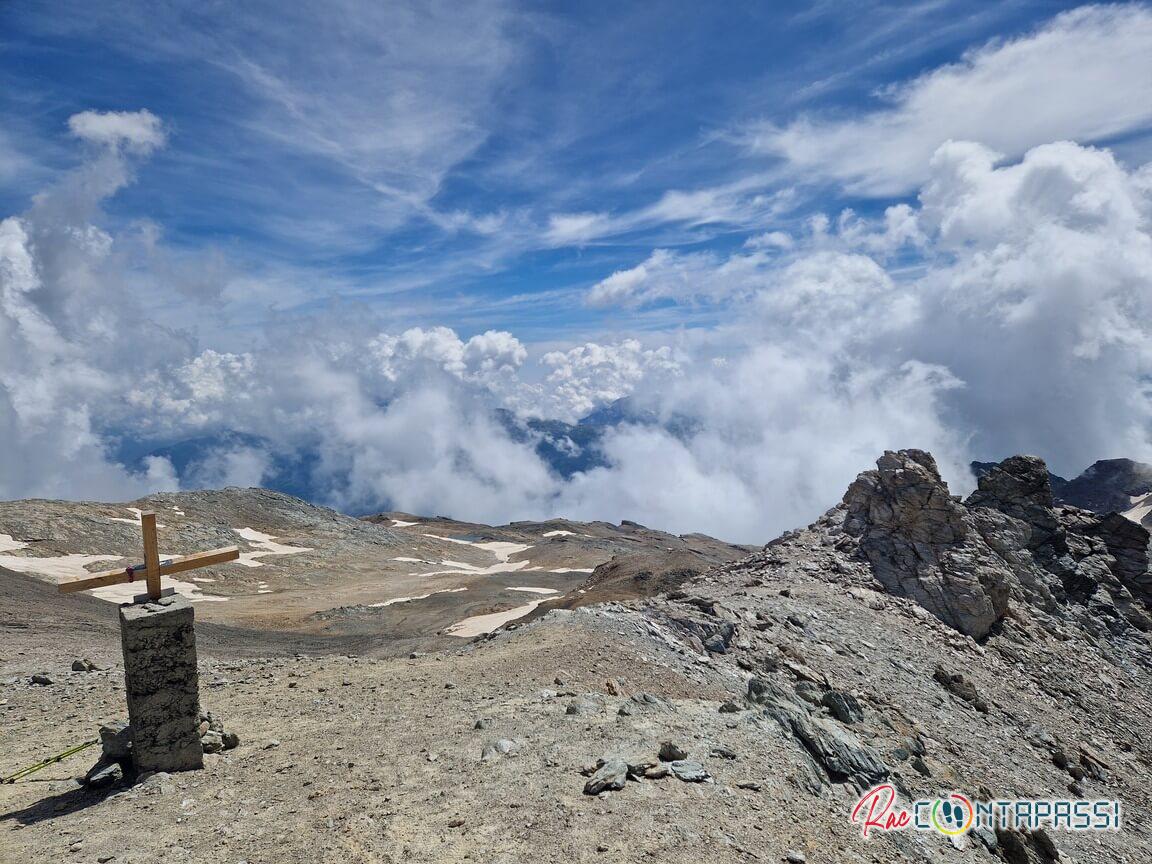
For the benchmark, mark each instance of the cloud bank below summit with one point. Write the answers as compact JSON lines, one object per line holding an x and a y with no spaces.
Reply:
{"x":773,"y":341}
{"x":1022,"y":323}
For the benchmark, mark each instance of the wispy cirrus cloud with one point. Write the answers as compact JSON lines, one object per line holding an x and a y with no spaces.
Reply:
{"x":1086,"y":75}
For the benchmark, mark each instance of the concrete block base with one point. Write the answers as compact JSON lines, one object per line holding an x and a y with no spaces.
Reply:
{"x":162,"y":684}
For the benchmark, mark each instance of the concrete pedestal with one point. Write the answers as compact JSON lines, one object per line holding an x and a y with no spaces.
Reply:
{"x":163,"y":685}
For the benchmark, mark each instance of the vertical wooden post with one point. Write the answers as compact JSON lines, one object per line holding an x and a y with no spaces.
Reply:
{"x":151,"y":554}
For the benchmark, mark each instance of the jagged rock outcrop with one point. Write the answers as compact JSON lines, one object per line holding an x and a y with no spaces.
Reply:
{"x":1019,"y":487}
{"x":1008,"y":542}
{"x":924,"y":544}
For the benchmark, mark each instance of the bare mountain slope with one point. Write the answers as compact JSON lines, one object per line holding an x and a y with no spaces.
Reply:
{"x":313,"y":571}
{"x":992,"y":646}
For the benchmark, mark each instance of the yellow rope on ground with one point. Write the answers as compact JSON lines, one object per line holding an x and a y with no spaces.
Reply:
{"x":51,"y":760}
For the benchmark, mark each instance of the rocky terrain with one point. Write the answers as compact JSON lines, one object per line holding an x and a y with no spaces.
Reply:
{"x":996,"y":646}
{"x":1106,"y":486}
{"x":413,"y":582}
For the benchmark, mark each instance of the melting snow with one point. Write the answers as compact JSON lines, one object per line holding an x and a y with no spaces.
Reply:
{"x":266,"y":545}
{"x":500,"y":549}
{"x":1142,"y":506}
{"x":559,"y":534}
{"x":396,"y":600}
{"x":65,"y":568}
{"x":8,"y":543}
{"x":137,"y":517}
{"x":400,"y":523}
{"x":479,"y":624}
{"x":535,"y":590}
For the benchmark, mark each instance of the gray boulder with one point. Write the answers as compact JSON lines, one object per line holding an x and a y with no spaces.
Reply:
{"x":923,"y":544}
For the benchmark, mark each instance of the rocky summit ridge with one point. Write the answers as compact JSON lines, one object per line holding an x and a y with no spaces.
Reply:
{"x":995,"y":645}
{"x":966,"y":561}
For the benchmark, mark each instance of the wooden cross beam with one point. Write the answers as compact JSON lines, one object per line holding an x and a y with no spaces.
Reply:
{"x":152,"y":568}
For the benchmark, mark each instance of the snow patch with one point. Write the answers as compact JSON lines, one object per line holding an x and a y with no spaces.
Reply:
{"x":1141,"y":507}
{"x":266,"y":545}
{"x":396,"y":600}
{"x":479,"y":624}
{"x":8,"y":543}
{"x":137,"y":517}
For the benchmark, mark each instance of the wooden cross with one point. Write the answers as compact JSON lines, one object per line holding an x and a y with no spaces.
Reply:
{"x":152,"y":568}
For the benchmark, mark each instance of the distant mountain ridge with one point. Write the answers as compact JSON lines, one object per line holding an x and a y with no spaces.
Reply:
{"x":1106,"y":486}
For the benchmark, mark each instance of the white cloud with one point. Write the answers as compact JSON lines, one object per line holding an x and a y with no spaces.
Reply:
{"x":1025,"y":324}
{"x":139,"y":131}
{"x":1085,"y":75}
{"x":486,"y":356}
{"x":592,"y":375}
{"x":682,"y":277}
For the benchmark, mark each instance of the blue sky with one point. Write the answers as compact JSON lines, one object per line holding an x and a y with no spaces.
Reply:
{"x":365,"y":161}
{"x":795,"y":233}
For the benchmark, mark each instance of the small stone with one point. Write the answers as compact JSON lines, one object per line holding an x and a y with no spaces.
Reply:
{"x":670,"y":752}
{"x":689,"y":772}
{"x":723,"y":752}
{"x":269,"y":744}
{"x":730,"y":707}
{"x":455,"y":823}
{"x":482,"y":723}
{"x":505,"y":746}
{"x":749,"y":785}
{"x":794,"y":857}
{"x":103,"y":774}
{"x":449,"y":685}
{"x":230,"y":740}
{"x":104,"y":859}
{"x":212,"y":742}
{"x":41,"y":680}
{"x":611,"y":776}
{"x":116,"y":740}
{"x":83,"y":665}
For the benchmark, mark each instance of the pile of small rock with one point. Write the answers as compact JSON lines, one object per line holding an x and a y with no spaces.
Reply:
{"x":115,"y":763}
{"x":612,"y":774}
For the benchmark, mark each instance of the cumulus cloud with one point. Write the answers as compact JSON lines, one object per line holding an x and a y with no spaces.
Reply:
{"x":1085,"y":75}
{"x":484,"y":357}
{"x":1009,"y":309}
{"x":139,"y":131}
{"x":592,"y":375}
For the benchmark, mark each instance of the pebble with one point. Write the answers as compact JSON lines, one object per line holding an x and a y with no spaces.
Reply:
{"x":689,"y":772}
{"x":610,"y":776}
